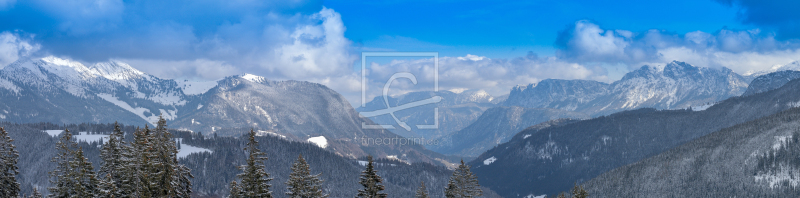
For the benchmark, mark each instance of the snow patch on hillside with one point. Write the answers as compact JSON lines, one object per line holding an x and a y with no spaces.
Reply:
{"x":794,"y":104}
{"x":9,"y":85}
{"x":196,"y":88}
{"x":702,"y":107}
{"x":319,"y":141}
{"x":489,"y":160}
{"x":270,"y":133}
{"x":534,"y":196}
{"x":135,"y":110}
{"x":526,"y":136}
{"x":778,"y":178}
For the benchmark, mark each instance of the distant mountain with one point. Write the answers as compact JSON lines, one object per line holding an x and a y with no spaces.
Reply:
{"x":771,"y":81}
{"x":753,"y":159}
{"x":63,"y":91}
{"x":793,"y":66}
{"x":550,"y":160}
{"x":456,"y":110}
{"x":495,"y":126}
{"x":677,"y":85}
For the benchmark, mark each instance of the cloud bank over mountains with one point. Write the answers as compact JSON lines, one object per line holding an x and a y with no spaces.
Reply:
{"x":303,"y":40}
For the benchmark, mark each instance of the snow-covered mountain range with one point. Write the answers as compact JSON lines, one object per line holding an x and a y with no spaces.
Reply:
{"x":677,"y":85}
{"x":57,"y":90}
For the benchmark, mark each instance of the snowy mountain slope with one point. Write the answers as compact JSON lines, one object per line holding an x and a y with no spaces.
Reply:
{"x":770,"y":81}
{"x":726,"y":163}
{"x":57,"y":90}
{"x":677,"y":85}
{"x":793,"y":66}
{"x":552,"y":159}
{"x":567,"y":95}
{"x":497,"y":125}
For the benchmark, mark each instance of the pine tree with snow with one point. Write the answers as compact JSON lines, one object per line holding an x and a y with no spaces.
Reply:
{"x":422,"y":192}
{"x":463,"y":183}
{"x":108,"y":188}
{"x":235,"y":190}
{"x":36,"y":193}
{"x":254,"y":178}
{"x":371,"y":182}
{"x":301,"y":183}
{"x":82,"y":173}
{"x":453,"y":190}
{"x":114,"y":166}
{"x":142,"y":162}
{"x":579,"y":192}
{"x":61,"y":176}
{"x":9,"y":187}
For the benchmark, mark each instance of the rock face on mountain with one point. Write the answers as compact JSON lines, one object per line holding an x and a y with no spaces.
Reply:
{"x":677,"y":85}
{"x":495,"y":126}
{"x":550,"y":160}
{"x":63,"y":91}
{"x":732,"y":162}
{"x":771,"y":81}
{"x":456,"y":111}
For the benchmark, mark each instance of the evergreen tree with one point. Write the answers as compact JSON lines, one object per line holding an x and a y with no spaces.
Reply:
{"x":9,"y":187}
{"x":579,"y":192}
{"x":61,"y":176}
{"x":302,"y":184}
{"x":108,"y":188}
{"x":371,"y":182}
{"x":422,"y":192}
{"x":82,"y":172}
{"x":171,"y":177}
{"x":463,"y":183}
{"x":144,"y":165}
{"x":562,"y":195}
{"x":36,"y":193}
{"x":254,"y":178}
{"x":114,"y":166}
{"x":235,"y":190}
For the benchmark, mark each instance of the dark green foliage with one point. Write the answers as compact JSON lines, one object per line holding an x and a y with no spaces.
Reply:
{"x":254,"y":177}
{"x":371,"y":182}
{"x":463,"y":183}
{"x":579,"y":192}
{"x":422,"y":192}
{"x":9,"y":187}
{"x":302,"y":184}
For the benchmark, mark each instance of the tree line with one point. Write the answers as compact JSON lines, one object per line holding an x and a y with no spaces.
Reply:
{"x":147,"y":166}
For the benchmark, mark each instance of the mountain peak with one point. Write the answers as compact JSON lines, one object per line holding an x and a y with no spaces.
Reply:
{"x":253,"y":78}
{"x":115,"y":70}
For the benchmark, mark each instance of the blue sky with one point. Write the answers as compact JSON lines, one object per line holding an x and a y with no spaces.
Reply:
{"x":483,"y":45}
{"x":511,"y":29}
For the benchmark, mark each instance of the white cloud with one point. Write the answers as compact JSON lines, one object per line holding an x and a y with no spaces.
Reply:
{"x":742,"y":51}
{"x":12,"y":47}
{"x":316,"y":50}
{"x":495,"y":76}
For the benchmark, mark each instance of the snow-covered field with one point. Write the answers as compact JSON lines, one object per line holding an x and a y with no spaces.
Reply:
{"x":53,"y":133}
{"x":90,"y":138}
{"x":187,"y":150}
